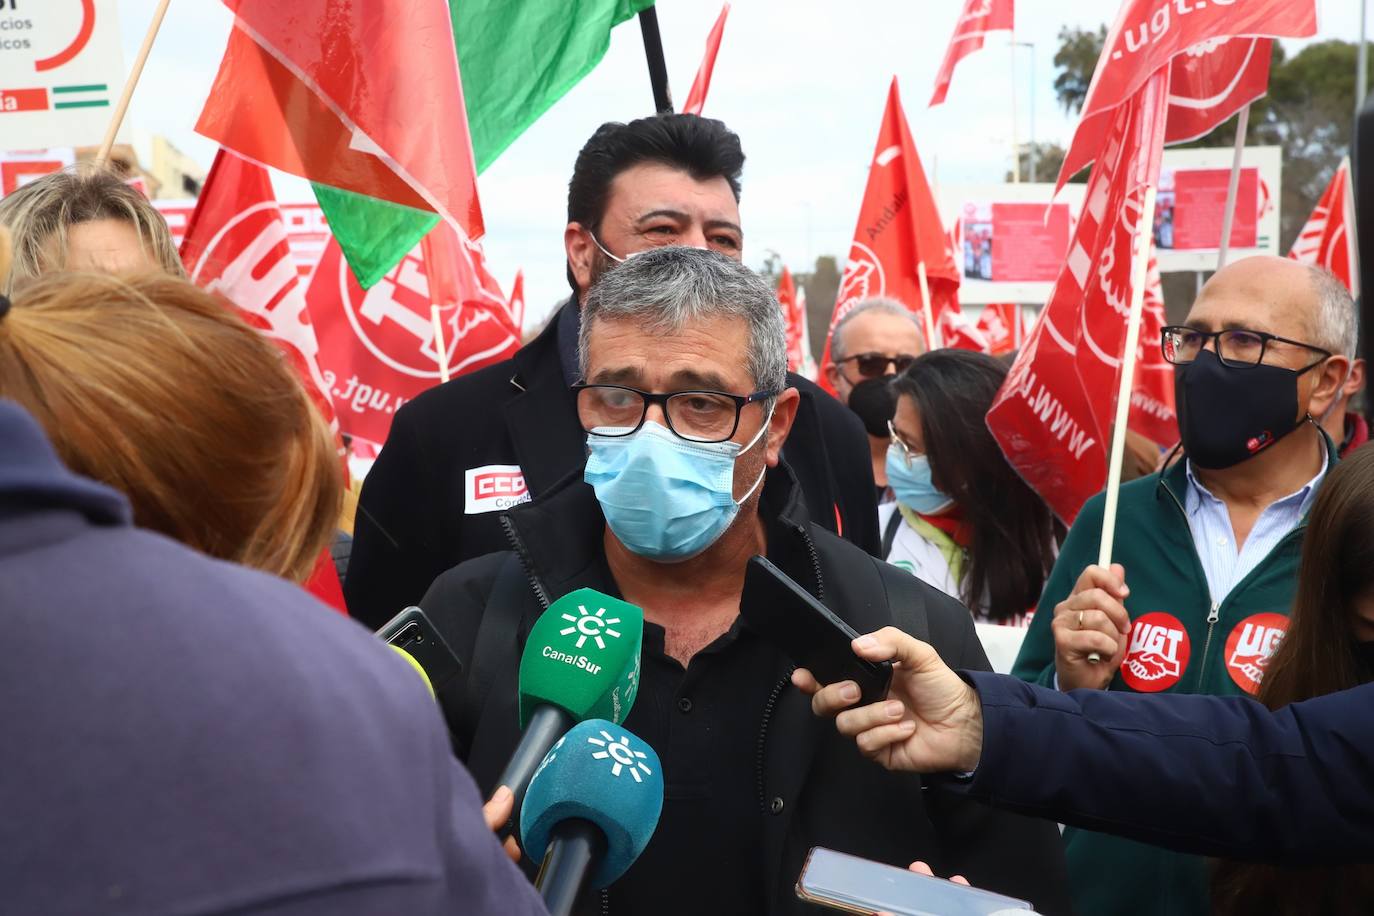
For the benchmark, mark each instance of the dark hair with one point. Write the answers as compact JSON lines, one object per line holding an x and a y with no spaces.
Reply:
{"x":1013,"y":530}
{"x":1317,"y":656}
{"x":702,"y":147}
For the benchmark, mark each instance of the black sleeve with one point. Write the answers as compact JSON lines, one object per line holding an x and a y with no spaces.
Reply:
{"x":396,"y":534}
{"x":1221,"y":776}
{"x":1008,"y":853}
{"x":851,"y":469}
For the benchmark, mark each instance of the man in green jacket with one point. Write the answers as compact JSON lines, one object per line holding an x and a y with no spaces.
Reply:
{"x":1209,"y":547}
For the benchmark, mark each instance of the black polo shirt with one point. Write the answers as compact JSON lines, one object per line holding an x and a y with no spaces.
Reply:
{"x":705,"y":723}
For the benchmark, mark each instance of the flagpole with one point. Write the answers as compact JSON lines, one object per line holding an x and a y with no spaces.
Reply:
{"x":134,"y":73}
{"x":1233,"y":188}
{"x":440,"y":348}
{"x":1015,"y":148}
{"x":926,"y":310}
{"x":658,"y":67}
{"x":1139,"y":270}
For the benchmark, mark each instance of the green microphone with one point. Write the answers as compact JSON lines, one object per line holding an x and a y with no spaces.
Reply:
{"x":581,"y":662}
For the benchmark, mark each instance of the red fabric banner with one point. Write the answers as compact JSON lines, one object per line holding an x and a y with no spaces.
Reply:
{"x":1210,"y":82}
{"x":1053,"y":416}
{"x":1003,"y":327}
{"x":1152,"y":399}
{"x":899,"y":227}
{"x":1328,"y":240}
{"x":696,"y":96}
{"x":978,"y":18}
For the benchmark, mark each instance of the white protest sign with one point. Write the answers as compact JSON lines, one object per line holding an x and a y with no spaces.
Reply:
{"x":60,"y":72}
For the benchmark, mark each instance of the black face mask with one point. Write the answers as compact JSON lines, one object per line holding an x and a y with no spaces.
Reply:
{"x":873,"y":401}
{"x":1227,"y":415}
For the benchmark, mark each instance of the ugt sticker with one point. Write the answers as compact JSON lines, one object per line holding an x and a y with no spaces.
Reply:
{"x":494,"y":488}
{"x":1158,"y":654}
{"x":1250,"y":646}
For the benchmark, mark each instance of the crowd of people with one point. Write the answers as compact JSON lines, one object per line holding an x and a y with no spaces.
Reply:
{"x":191,"y":736}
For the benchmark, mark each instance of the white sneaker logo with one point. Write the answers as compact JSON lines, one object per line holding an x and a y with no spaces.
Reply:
{"x":621,"y":755}
{"x":590,"y":626}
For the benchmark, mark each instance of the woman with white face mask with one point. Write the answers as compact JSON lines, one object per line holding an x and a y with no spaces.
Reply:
{"x":963,"y":521}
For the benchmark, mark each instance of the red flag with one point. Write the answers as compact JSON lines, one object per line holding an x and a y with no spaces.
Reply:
{"x":377,"y":347}
{"x":344,"y":94}
{"x":1209,"y":83}
{"x":957,"y":332}
{"x":1328,"y":240}
{"x":236,"y":245}
{"x":324,"y":583}
{"x":696,"y":96}
{"x":899,"y":227}
{"x":1002,"y":327}
{"x":793,"y":302}
{"x":1054,"y":413}
{"x":1152,"y":399}
{"x":978,"y":19}
{"x":1148,"y":36}
{"x":516,"y":306}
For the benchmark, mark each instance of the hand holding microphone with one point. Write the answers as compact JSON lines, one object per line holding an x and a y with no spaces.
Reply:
{"x":590,"y":810}
{"x":581,"y":662}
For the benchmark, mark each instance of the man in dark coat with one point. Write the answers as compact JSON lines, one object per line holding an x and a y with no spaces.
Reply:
{"x":463,"y":452}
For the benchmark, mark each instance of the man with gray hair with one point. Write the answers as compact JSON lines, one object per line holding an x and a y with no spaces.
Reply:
{"x":685,"y":409}
{"x":876,"y":339}
{"x":1210,"y":546}
{"x":1341,"y":323}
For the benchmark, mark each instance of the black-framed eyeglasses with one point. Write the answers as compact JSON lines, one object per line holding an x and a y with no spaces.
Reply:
{"x":874,"y":365}
{"x":694,"y":415}
{"x":1239,"y":348}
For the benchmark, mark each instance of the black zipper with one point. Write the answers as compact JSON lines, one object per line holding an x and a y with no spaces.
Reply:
{"x":520,"y":551}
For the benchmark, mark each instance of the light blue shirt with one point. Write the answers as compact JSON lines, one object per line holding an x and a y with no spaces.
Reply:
{"x":1210,"y":523}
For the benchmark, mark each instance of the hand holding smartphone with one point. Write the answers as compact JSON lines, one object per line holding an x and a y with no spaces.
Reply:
{"x":854,"y":885}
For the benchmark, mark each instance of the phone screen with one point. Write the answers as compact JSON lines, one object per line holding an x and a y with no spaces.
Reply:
{"x":856,"y":885}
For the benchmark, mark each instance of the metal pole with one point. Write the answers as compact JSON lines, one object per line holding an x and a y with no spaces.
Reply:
{"x":1015,"y":146}
{"x":1034,"y":153}
{"x":658,"y":68}
{"x":1362,"y":58}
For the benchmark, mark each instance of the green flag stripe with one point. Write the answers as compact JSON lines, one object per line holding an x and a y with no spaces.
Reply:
{"x":103,"y":103}
{"x":92,"y":88}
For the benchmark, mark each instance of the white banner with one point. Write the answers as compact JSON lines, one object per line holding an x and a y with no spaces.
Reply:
{"x":61,"y":72}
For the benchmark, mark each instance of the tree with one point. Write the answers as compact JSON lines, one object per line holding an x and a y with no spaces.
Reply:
{"x":1048,"y":159}
{"x":822,"y":287}
{"x":1076,"y":59}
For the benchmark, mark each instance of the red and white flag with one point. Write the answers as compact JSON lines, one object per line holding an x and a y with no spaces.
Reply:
{"x":1148,"y":36}
{"x":1211,"y":81}
{"x":1053,"y":416}
{"x":1328,"y":240}
{"x":793,"y":302}
{"x":1003,"y":327}
{"x":1152,"y":398}
{"x":696,"y":96}
{"x":978,"y":18}
{"x":377,"y":346}
{"x":899,"y":227}
{"x":344,"y":95}
{"x":516,"y":306}
{"x":236,"y":247}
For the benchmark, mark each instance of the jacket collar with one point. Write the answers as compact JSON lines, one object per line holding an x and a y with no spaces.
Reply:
{"x":33,"y":479}
{"x":541,"y":418}
{"x":1174,"y":478}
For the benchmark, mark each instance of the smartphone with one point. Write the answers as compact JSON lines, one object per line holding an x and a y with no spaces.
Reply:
{"x":789,"y":617}
{"x":412,"y":631}
{"x":853,"y":885}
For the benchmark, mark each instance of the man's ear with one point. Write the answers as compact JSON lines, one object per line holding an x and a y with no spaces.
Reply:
{"x":1330,"y":380}
{"x":1355,"y":383}
{"x":784,"y":413}
{"x":581,"y":254}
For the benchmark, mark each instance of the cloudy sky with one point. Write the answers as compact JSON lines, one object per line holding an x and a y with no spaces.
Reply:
{"x":803,"y":82}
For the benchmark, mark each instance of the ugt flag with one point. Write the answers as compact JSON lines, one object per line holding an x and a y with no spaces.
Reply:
{"x":362,"y":98}
{"x":1053,"y":415}
{"x":1211,"y":81}
{"x":1152,"y":396}
{"x":899,"y":227}
{"x":978,"y":18}
{"x":793,"y":302}
{"x":1328,"y":240}
{"x":1149,"y":35}
{"x":377,"y":346}
{"x":696,"y":96}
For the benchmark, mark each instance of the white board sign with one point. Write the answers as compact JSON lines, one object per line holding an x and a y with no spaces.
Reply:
{"x":1192,"y":201}
{"x":60,"y":72}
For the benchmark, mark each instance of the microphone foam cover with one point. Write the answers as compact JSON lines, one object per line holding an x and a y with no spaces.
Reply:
{"x":582,"y":656}
{"x":601,"y":773}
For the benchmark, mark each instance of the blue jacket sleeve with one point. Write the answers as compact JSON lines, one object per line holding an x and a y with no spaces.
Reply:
{"x":1220,"y":776}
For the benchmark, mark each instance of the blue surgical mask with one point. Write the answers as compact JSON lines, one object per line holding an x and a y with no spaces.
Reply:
{"x":666,"y":498}
{"x":912,"y":484}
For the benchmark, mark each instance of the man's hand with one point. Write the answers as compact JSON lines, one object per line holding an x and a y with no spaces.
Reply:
{"x":1092,"y":620}
{"x":931,"y":721}
{"x":497,"y":812}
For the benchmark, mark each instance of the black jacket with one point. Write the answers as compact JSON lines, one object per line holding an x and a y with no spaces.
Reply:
{"x":812,"y":785}
{"x":414,"y":519}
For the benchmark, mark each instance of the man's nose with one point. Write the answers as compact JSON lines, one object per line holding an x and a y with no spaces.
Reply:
{"x":694,"y":237}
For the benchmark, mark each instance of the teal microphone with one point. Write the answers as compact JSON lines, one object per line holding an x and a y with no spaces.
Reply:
{"x":581,"y":662}
{"x":590,"y":810}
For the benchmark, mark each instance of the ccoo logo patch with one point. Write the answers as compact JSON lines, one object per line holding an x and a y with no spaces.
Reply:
{"x":1158,"y":654}
{"x":1249,"y":647}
